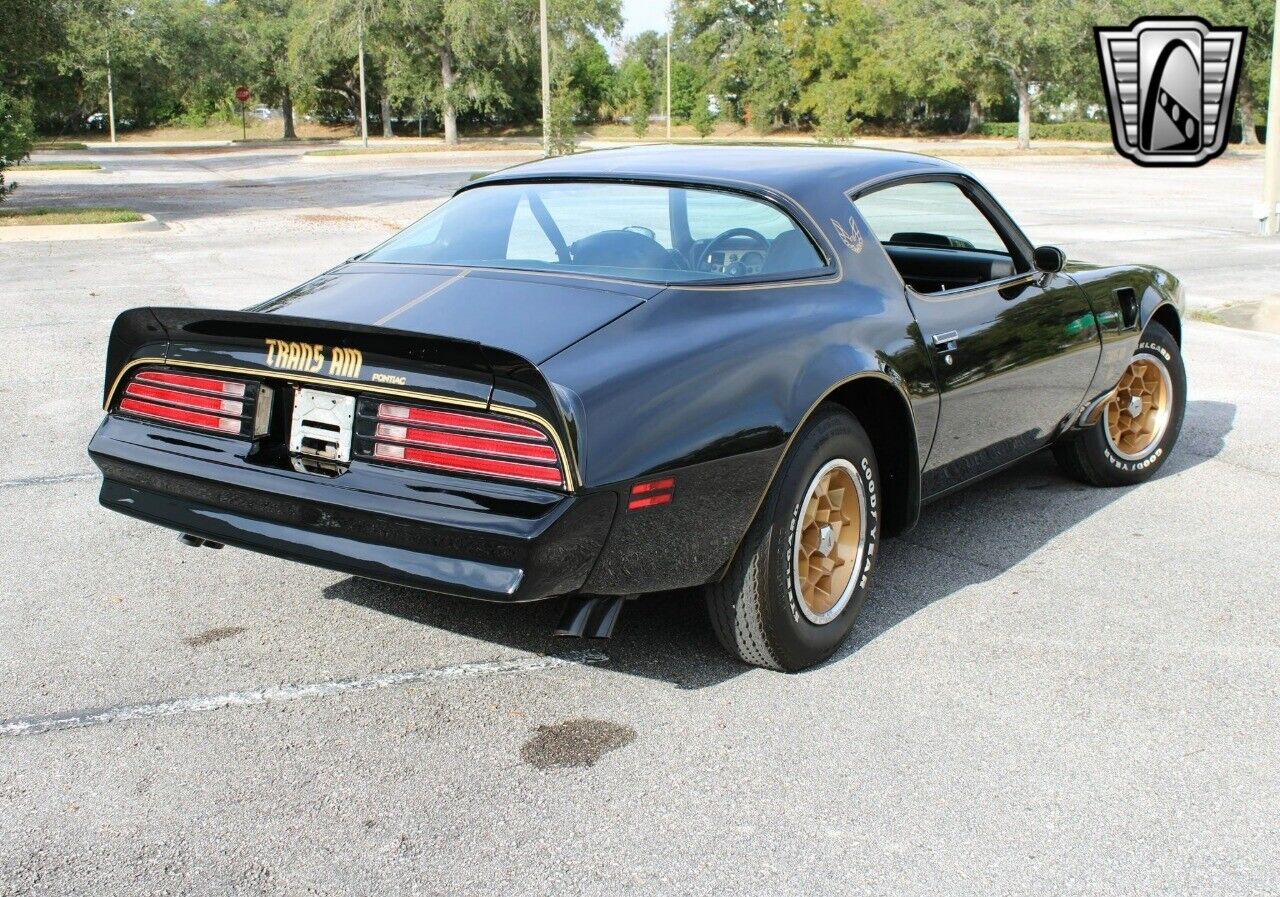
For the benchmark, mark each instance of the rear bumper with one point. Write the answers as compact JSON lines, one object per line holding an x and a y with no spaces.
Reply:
{"x":497,"y":543}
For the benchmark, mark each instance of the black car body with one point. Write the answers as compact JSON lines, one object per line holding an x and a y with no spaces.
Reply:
{"x":685,"y":390}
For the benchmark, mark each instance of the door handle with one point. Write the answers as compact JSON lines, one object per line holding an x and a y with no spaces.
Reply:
{"x":947,"y":343}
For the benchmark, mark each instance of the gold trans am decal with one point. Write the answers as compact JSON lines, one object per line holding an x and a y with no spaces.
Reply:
{"x":311,"y":358}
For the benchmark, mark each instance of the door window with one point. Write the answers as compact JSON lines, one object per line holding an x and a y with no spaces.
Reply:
{"x":935,"y":236}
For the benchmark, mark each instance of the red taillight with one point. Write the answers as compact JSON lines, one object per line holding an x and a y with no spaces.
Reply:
{"x":654,"y":492}
{"x":200,"y":384}
{"x":502,"y":448}
{"x":173,"y":397}
{"x":465,"y":443}
{"x":182,"y":416}
{"x":467,"y":463}
{"x":471,"y":423}
{"x":190,"y":401}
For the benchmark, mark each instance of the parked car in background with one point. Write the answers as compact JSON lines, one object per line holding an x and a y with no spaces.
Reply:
{"x":262,"y":112}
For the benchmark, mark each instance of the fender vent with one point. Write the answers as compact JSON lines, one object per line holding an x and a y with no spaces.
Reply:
{"x":1128,"y":300}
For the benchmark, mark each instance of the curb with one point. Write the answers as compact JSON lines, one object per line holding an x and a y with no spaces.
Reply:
{"x":22,"y":233}
{"x":450,"y":156}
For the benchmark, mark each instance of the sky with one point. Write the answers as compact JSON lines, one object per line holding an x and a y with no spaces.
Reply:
{"x":643,"y":15}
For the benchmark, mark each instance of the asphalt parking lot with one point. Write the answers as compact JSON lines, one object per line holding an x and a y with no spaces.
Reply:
{"x":1052,"y":690}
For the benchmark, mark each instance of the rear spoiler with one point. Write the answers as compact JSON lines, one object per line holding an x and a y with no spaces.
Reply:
{"x":338,"y":354}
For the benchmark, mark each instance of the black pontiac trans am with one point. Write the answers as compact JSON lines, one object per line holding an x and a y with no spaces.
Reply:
{"x":735,"y":368}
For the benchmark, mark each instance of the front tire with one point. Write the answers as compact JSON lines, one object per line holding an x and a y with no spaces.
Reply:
{"x":799,"y":579}
{"x":1141,"y":423}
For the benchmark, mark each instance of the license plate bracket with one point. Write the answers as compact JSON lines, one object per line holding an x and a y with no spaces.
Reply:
{"x":322,"y":425}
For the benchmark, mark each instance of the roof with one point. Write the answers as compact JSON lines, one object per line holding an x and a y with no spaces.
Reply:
{"x":796,"y":171}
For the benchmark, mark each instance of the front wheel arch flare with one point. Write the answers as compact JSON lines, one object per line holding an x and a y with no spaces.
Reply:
{"x":1167,"y":317}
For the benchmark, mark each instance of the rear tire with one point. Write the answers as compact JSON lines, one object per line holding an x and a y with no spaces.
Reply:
{"x":1139,"y":427}
{"x":792,"y":593}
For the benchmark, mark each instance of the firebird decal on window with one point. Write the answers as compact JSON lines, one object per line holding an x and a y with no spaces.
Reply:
{"x":851,"y":237}
{"x":310,"y":358}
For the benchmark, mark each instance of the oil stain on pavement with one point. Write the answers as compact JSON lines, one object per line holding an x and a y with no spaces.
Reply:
{"x":199,"y":640}
{"x":575,"y":742}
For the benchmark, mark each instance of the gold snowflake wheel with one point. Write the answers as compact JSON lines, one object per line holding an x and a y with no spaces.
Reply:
{"x":828,"y":545}
{"x":1138,"y":414}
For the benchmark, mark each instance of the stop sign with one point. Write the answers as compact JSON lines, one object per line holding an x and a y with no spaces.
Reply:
{"x":243,"y":94}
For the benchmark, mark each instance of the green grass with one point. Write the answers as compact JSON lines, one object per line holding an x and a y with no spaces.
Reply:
{"x":51,"y":215}
{"x":416,"y":148}
{"x":59,"y":166}
{"x":1207,"y":315}
{"x":58,"y":145}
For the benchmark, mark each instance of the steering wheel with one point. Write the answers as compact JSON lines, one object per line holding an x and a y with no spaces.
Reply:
{"x":704,"y":257}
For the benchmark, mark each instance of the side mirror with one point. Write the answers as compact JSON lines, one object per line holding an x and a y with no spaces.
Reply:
{"x":1049,"y":259}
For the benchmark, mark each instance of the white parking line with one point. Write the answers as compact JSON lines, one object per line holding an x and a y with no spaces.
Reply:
{"x":77,"y":719}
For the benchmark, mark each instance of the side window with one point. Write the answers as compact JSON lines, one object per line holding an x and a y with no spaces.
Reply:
{"x":712,"y":213}
{"x":936,"y":237}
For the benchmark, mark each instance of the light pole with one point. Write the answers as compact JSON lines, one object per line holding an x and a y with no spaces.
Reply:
{"x":364,"y":115}
{"x":1271,"y":178}
{"x":669,"y":78}
{"x":111,"y":98}
{"x":546,"y":78}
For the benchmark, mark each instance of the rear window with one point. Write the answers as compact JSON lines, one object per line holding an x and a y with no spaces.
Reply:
{"x":637,"y":232}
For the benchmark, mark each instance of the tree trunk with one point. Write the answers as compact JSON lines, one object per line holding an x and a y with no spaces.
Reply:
{"x":447,"y":111}
{"x":1248,"y":133}
{"x":975,"y":117}
{"x":286,"y":110}
{"x":386,"y":117}
{"x":1024,"y":112}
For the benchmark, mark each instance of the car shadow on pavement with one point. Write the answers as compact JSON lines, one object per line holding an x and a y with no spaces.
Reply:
{"x":970,"y":537}
{"x":982,"y":532}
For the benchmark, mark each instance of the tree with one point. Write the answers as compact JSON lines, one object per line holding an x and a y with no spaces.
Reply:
{"x":592,"y":75}
{"x":1259,"y":17}
{"x":743,"y":54}
{"x":565,"y":102}
{"x":27,"y":39}
{"x":263,"y":29}
{"x":15,"y":137}
{"x":481,"y":49}
{"x":166,"y":57}
{"x":686,"y":89}
{"x":840,"y":55}
{"x":635,"y":94}
{"x":704,"y":123}
{"x":1032,"y":41}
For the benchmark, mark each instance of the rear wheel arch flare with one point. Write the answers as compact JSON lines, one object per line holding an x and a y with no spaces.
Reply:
{"x":886,"y":416}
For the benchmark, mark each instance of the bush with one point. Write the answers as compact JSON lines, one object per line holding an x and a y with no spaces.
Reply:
{"x":564,"y":103}
{"x":16,"y":136}
{"x":1063,"y":130}
{"x":192,"y":119}
{"x":702,"y":120}
{"x":640,"y":109}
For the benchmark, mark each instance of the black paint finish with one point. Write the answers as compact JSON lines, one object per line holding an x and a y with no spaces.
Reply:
{"x":704,"y":383}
